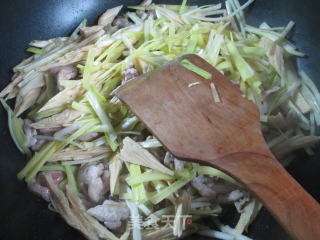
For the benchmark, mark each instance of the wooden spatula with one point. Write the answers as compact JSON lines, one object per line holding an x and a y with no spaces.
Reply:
{"x":225,"y":135}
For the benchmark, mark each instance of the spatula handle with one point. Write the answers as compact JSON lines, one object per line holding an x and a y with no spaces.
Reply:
{"x":288,"y":202}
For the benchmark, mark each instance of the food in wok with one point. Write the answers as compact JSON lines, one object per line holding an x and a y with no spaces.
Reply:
{"x":96,"y":163}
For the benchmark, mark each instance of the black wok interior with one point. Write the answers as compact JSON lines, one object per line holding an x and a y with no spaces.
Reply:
{"x":25,"y":216}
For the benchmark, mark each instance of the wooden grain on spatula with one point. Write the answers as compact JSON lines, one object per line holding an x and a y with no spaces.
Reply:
{"x":225,"y":135}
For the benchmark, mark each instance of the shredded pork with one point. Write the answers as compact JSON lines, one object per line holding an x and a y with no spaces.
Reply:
{"x":221,"y":191}
{"x":121,"y":22}
{"x":129,"y":73}
{"x":64,"y":73}
{"x":94,"y":180}
{"x":111,"y":213}
{"x":39,"y":186}
{"x":31,"y":133}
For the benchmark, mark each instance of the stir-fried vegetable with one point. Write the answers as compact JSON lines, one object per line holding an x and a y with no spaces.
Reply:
{"x":98,"y":161}
{"x":189,"y":65}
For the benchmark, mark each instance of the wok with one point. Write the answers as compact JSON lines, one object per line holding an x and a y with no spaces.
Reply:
{"x":24,"y":215}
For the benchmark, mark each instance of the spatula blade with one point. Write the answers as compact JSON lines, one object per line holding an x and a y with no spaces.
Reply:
{"x":178,"y":107}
